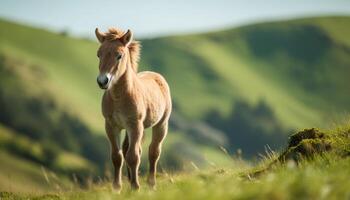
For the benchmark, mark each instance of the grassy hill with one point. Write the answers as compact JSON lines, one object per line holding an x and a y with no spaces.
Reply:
{"x":297,"y":67}
{"x":258,"y":80}
{"x":50,"y":112}
{"x":239,"y":88}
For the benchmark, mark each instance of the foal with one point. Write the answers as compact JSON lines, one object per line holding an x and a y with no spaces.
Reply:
{"x":131,"y":101}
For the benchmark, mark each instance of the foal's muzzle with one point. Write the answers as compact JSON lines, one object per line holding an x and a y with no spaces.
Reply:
{"x":103,"y":80}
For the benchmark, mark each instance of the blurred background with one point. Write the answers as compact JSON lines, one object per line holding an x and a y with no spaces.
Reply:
{"x":243,"y":75}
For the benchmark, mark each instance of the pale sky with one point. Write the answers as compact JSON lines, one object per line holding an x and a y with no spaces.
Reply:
{"x":151,"y":18}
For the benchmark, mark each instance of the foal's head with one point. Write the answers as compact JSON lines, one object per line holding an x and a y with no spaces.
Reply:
{"x":116,"y":52}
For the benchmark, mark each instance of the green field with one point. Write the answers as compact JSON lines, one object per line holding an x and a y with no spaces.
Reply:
{"x":235,"y":89}
{"x":318,"y":174}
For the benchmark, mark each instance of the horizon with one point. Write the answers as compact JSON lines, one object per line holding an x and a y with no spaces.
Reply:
{"x":92,"y":35}
{"x":178,"y":17}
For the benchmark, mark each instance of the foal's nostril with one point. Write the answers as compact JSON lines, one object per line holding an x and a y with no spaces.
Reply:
{"x":102,"y":81}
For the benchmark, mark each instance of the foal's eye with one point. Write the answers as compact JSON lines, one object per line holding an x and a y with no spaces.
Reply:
{"x":119,"y":56}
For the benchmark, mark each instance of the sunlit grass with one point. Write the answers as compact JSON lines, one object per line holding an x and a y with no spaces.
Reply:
{"x":325,"y":176}
{"x":308,"y":181}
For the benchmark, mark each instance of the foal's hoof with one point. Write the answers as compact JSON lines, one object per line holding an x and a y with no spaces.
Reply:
{"x":135,"y":187}
{"x":117,"y":187}
{"x":151,"y":182}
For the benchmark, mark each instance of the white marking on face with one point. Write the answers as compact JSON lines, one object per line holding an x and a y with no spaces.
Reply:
{"x":110,"y":78}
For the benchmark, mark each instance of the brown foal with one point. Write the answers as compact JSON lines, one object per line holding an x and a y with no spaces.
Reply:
{"x":131,"y":101}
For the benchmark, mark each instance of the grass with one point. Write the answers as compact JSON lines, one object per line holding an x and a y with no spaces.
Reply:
{"x":325,"y":176}
{"x":28,"y":159}
{"x":304,"y":182}
{"x":28,"y":177}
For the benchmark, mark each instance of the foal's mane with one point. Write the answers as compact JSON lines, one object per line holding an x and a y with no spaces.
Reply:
{"x":134,"y":46}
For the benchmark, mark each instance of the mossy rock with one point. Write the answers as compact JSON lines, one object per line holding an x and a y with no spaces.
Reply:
{"x":312,"y":133}
{"x":306,"y":144}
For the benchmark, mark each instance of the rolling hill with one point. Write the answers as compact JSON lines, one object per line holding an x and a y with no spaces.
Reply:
{"x":298,"y":67}
{"x":261,"y":79}
{"x":240,"y":88}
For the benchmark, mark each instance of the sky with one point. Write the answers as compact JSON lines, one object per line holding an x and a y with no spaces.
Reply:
{"x":153,"y":18}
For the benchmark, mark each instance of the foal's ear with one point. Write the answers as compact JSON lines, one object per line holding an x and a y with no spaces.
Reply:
{"x":126,"y":38}
{"x":100,"y":36}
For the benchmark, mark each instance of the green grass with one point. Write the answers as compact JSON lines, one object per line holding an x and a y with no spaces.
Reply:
{"x":305,"y":182}
{"x":325,"y":176}
{"x":20,"y":176}
{"x":23,"y":170}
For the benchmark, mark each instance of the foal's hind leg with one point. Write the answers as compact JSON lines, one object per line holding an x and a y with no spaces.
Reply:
{"x":113,"y":134}
{"x":158,"y":134}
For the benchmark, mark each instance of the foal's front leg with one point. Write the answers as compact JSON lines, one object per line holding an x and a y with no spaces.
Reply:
{"x":133,"y":155}
{"x":114,"y":137}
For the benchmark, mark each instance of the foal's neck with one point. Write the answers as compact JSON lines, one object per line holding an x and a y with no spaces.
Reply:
{"x":126,"y":83}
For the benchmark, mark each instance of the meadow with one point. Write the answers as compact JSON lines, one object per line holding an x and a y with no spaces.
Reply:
{"x":238,"y":95}
{"x":304,"y":170}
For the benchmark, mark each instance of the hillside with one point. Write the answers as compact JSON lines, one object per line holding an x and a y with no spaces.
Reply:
{"x":298,"y":66}
{"x":50,"y":109}
{"x":242,"y":88}
{"x":259,"y":81}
